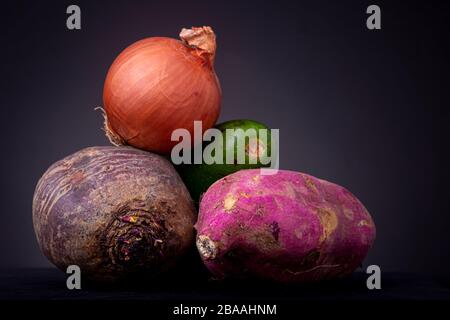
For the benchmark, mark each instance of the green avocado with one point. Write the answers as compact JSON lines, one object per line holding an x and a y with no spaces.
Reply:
{"x":198,"y":177}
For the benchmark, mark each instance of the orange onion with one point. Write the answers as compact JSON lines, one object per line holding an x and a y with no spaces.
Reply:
{"x":160,"y":84}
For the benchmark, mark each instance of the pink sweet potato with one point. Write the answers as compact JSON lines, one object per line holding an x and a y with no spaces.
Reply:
{"x":287,"y":227}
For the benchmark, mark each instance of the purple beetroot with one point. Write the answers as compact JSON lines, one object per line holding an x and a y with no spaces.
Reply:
{"x":287,"y":227}
{"x":116,"y":212}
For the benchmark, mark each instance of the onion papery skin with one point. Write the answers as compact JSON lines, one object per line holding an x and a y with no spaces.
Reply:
{"x":157,"y":85}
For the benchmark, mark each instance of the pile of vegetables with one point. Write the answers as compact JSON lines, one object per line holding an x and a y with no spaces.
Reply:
{"x":125,"y":211}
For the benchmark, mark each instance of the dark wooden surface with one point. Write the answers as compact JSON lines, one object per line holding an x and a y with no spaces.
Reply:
{"x":50,"y":284}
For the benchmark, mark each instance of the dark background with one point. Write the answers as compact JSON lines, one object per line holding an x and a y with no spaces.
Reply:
{"x":361,"y":108}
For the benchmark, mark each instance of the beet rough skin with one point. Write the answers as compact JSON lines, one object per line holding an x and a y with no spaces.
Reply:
{"x":288,"y":227}
{"x":116,"y":212}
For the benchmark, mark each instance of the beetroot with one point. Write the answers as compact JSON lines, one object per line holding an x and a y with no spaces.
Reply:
{"x":287,"y":227}
{"x":116,"y":212}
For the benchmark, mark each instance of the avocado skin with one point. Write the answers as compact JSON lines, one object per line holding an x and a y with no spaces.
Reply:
{"x":199,"y":177}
